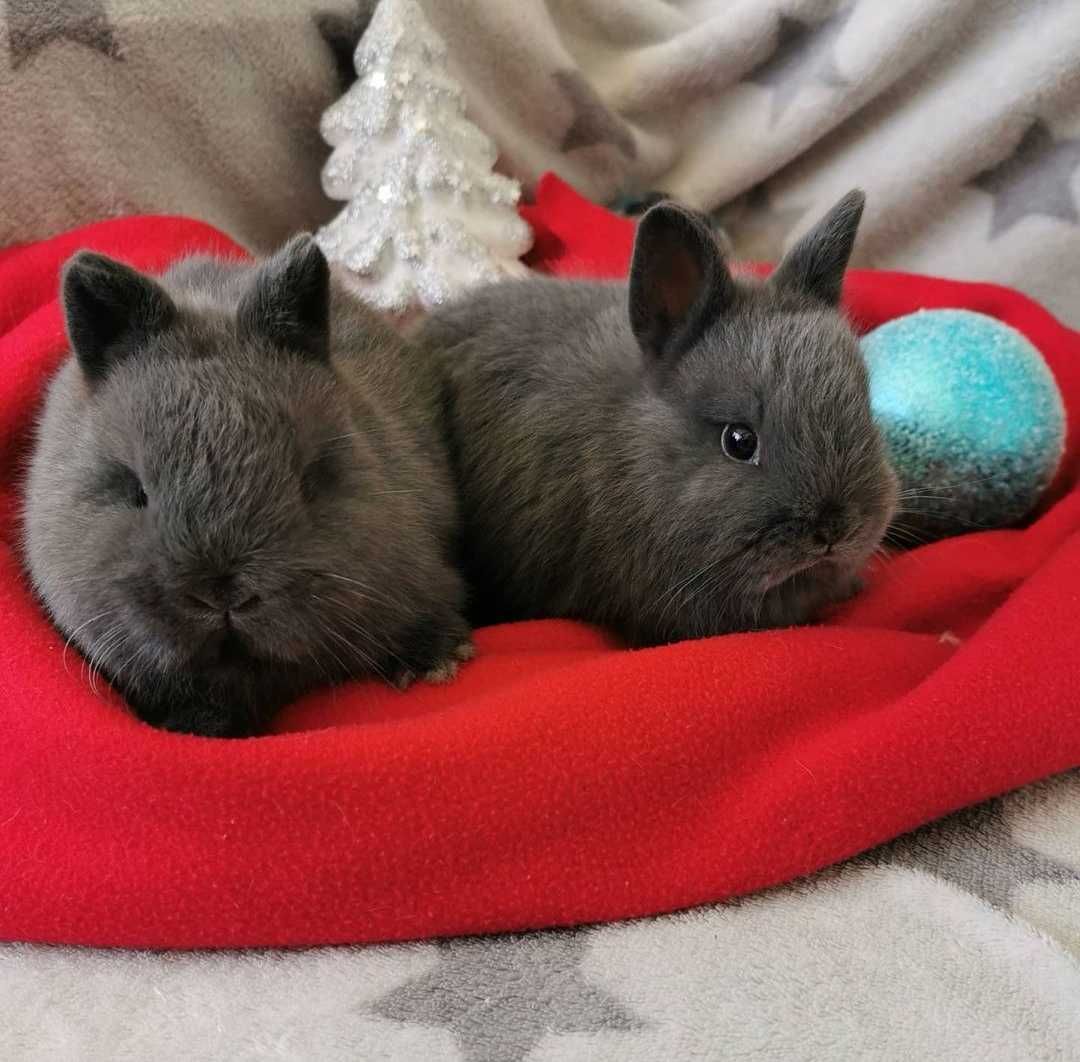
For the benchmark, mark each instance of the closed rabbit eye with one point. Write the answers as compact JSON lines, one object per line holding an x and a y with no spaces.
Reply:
{"x":740,"y":443}
{"x":121,"y":485}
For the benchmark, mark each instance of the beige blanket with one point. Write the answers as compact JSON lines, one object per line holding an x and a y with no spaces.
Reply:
{"x":203,"y":108}
{"x":960,"y":118}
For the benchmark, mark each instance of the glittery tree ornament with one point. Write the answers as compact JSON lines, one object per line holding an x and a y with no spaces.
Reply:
{"x":426,"y":216}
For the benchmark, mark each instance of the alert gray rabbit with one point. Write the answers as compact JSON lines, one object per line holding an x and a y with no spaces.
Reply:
{"x":686,"y":454}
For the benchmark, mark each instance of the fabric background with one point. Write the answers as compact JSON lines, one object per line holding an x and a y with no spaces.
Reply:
{"x":960,"y":119}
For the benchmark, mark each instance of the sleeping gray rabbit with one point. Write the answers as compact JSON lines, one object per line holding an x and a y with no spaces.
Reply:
{"x":238,"y":492}
{"x":686,"y":454}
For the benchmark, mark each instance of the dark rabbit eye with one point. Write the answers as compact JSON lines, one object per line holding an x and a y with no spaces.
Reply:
{"x":121,"y":485}
{"x":321,"y":476}
{"x":740,"y":443}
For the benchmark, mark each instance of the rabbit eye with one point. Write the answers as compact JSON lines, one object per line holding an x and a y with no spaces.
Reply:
{"x":120,"y":484}
{"x":740,"y":443}
{"x":321,"y":476}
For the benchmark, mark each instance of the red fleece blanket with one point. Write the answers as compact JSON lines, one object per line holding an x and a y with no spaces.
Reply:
{"x":560,"y":779}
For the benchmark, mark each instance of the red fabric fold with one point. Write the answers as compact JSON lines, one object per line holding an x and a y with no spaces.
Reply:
{"x":560,"y":779}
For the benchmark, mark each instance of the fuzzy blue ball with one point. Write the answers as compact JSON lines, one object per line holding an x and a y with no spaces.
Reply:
{"x":972,"y":417}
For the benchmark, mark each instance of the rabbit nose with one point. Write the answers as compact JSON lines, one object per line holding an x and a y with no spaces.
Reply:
{"x":221,"y":595}
{"x":830,"y":525}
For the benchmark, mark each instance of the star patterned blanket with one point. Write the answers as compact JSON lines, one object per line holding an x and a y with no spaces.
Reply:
{"x":963,"y":122}
{"x":961,"y":119}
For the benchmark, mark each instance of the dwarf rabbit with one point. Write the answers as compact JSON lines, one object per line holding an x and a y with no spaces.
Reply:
{"x":237,"y":492}
{"x":682,"y":455}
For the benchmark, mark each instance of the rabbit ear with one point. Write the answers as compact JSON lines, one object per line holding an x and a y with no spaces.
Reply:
{"x":289,"y":300}
{"x":815,"y":265}
{"x":679,"y":281}
{"x":109,"y":308}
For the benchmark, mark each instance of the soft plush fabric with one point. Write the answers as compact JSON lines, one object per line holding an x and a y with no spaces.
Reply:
{"x":958,"y":942}
{"x":113,"y":107}
{"x":961,"y":119}
{"x":559,"y":779}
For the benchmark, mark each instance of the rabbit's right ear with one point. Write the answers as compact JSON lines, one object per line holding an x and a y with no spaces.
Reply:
{"x":109,"y":309}
{"x":288,"y":303}
{"x":679,"y":282}
{"x":815,"y":265}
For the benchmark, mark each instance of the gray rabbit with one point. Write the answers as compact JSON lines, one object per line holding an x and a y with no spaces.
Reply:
{"x":683,"y":455}
{"x":238,"y":491}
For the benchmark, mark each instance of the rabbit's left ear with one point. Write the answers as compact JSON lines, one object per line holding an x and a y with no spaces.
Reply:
{"x":110,"y":310}
{"x":679,"y":281}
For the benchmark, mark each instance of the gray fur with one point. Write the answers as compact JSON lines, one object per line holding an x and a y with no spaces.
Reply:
{"x":587,"y":448}
{"x":291,"y":479}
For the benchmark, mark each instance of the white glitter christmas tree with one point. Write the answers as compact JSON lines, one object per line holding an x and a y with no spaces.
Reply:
{"x":426,"y":216}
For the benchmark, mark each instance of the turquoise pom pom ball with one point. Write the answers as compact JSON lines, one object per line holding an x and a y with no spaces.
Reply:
{"x":972,"y":417}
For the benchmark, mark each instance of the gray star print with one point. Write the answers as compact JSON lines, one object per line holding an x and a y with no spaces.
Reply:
{"x":1034,"y":179}
{"x":501,"y":996}
{"x":975,"y":850}
{"x":803,"y":55}
{"x":33,"y":24}
{"x":593,"y":123}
